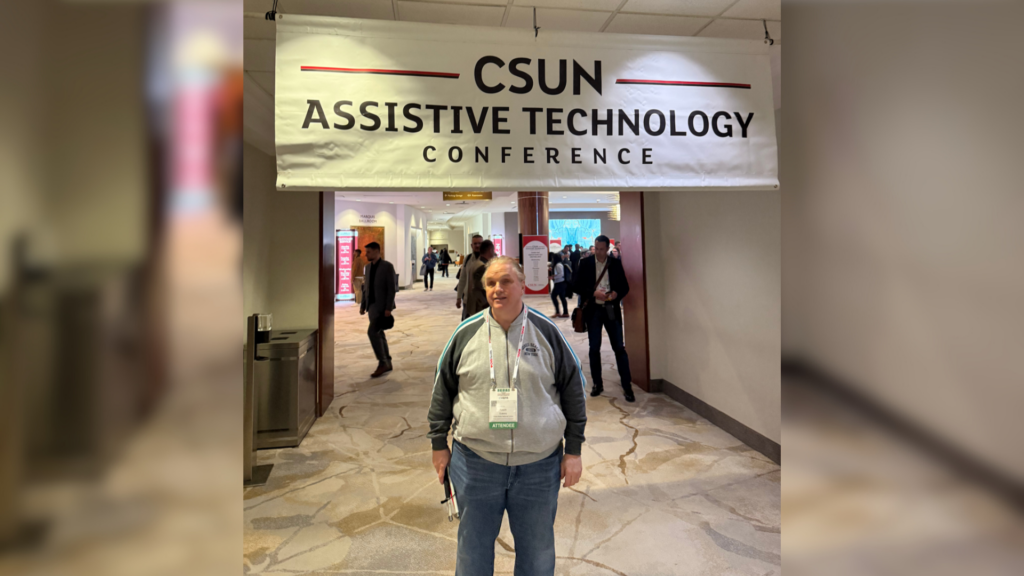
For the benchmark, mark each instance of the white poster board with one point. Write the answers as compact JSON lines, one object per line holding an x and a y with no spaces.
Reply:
{"x":535,"y":264}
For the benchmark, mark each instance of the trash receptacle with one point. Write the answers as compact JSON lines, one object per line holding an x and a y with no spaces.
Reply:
{"x":285,"y":380}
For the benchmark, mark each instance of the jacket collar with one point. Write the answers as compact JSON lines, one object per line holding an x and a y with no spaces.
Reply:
{"x":515,"y":323}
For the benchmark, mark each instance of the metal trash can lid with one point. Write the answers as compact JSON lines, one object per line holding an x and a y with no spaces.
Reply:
{"x":283,"y":339}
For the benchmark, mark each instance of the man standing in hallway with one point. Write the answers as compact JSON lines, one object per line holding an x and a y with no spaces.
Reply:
{"x":574,"y":258}
{"x":379,"y":301}
{"x":511,"y":414}
{"x":476,"y":296}
{"x":601,"y":283}
{"x":429,"y":262}
{"x":460,"y":291}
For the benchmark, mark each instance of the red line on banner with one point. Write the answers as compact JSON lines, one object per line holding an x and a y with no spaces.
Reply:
{"x":684,"y":83}
{"x":381,"y":71}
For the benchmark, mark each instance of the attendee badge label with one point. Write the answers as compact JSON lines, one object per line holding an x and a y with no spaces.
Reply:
{"x":504,"y":408}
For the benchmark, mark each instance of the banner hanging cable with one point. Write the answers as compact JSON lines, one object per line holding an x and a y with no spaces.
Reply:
{"x":272,"y":15}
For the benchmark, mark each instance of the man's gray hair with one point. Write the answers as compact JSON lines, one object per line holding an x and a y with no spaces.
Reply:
{"x":506,"y":260}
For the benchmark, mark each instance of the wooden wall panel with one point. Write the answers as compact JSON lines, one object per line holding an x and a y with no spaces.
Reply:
{"x":634,"y":306}
{"x":325,"y":324}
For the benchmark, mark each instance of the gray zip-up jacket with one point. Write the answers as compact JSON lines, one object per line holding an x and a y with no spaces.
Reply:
{"x":552,"y":395}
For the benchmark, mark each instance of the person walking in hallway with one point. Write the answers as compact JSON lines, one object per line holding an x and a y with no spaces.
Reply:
{"x":444,"y":261}
{"x":575,"y":258}
{"x":429,"y":262}
{"x":601,"y":283}
{"x":558,"y":285}
{"x":460,"y":291}
{"x":378,"y":301}
{"x":519,"y":422}
{"x":476,"y":297}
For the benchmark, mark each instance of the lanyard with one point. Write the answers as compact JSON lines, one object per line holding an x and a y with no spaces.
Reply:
{"x":519,"y":351}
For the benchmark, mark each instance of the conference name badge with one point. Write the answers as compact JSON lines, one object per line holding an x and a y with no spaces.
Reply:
{"x":504,"y":408}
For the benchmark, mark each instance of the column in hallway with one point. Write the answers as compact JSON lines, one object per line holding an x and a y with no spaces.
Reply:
{"x":533,"y":214}
{"x":634,"y":305}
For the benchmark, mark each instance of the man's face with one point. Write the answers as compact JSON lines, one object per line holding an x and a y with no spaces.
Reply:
{"x":504,"y":290}
{"x":372,"y":255}
{"x":476,"y":244}
{"x":601,"y":250}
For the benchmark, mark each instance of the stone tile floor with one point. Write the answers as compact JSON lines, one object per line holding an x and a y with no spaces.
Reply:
{"x":663,"y":490}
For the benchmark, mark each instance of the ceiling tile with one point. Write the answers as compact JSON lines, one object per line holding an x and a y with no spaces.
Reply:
{"x":678,"y":7}
{"x":370,"y":9}
{"x":477,"y":2}
{"x":259,"y":28}
{"x":759,"y":9}
{"x":259,"y":5}
{"x":451,"y":13}
{"x":550,"y":19}
{"x":265,"y":80}
{"x":743,"y":29}
{"x":606,"y":5}
{"x":259,"y":55}
{"x":660,"y":25}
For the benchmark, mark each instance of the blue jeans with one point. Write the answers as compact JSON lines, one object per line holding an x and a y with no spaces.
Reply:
{"x":485,"y":491}
{"x":558,"y":291}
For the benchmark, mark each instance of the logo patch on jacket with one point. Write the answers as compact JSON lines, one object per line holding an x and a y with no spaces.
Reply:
{"x":530,"y":350}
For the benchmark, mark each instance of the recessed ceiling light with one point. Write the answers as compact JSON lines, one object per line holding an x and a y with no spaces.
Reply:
{"x":447,"y":204}
{"x":564,"y":196}
{"x":599,"y":200}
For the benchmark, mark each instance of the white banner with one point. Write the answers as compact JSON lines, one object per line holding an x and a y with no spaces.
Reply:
{"x":364,"y":104}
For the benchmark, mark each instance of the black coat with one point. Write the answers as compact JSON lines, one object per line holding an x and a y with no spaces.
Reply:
{"x":384,"y":288}
{"x":585,"y":280}
{"x":574,"y":257}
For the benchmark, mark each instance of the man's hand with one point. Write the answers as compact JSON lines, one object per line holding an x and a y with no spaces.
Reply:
{"x":458,"y":302}
{"x":600,"y":295}
{"x":611,"y":296}
{"x":572,"y":469}
{"x":387,"y":312}
{"x":362,"y":311}
{"x":443,"y":457}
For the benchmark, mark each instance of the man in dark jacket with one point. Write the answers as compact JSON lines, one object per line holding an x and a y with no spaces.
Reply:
{"x":379,"y":301}
{"x":575,"y":258}
{"x":603,"y":309}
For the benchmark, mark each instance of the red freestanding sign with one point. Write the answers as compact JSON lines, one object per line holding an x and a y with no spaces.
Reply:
{"x":535,"y":263}
{"x":499,"y":245}
{"x":343,"y":289}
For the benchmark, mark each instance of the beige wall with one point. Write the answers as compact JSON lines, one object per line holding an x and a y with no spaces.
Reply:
{"x":905,"y":211}
{"x":713,"y":272}
{"x":280,"y":261}
{"x":400,"y":223}
{"x":99,"y":190}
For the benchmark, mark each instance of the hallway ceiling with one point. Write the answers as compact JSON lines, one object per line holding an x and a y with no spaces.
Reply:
{"x":454,"y":212}
{"x":703,"y":18}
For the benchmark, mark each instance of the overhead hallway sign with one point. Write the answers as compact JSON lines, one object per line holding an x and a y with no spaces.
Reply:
{"x":364,"y":104}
